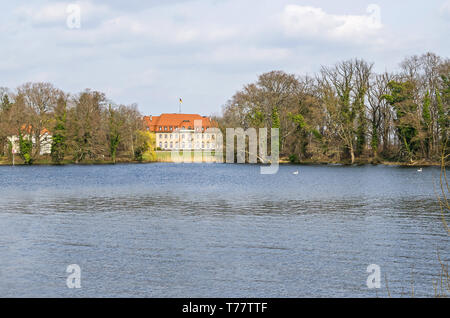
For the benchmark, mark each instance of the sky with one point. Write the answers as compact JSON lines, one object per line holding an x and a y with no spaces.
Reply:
{"x":154,"y":52}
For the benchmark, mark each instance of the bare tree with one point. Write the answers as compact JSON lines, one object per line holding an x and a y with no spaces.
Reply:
{"x":380,"y":113}
{"x":40,"y":100}
{"x":87,"y":127}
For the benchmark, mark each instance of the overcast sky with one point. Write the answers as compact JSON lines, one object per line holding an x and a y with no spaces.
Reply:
{"x":153,"y":52}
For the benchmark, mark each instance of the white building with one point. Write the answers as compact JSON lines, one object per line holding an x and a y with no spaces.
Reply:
{"x":182,"y":131}
{"x":45,"y":142}
{"x":186,"y":139}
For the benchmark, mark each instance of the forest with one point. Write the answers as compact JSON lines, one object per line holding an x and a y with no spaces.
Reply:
{"x":85,"y":127}
{"x":346,"y":113}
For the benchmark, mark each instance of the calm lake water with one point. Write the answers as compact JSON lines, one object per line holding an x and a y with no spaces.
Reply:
{"x":216,"y":230}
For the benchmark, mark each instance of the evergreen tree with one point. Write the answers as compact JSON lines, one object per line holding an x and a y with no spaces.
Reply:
{"x":401,"y":99}
{"x":426,"y":124}
{"x":115,"y":127}
{"x":25,"y":148}
{"x":276,"y":124}
{"x":443,"y":101}
{"x":359,"y":109}
{"x":360,"y":134}
{"x":5,"y":103}
{"x":374,"y":142}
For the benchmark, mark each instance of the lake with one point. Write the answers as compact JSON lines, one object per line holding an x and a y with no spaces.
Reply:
{"x":219,"y":230}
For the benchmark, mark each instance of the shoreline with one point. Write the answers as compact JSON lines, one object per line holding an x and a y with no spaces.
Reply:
{"x":282,"y":162}
{"x":368,"y":163}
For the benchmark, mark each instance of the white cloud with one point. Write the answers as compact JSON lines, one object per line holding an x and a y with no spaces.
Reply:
{"x":151,"y":51}
{"x":43,"y":15}
{"x":445,"y":10}
{"x":247,"y":54}
{"x":311,"y":22}
{"x":168,"y":26}
{"x":56,"y":13}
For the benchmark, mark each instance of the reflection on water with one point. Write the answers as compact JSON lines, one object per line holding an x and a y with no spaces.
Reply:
{"x":180,"y":230}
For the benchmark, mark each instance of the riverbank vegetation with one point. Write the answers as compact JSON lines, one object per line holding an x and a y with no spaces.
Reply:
{"x":347,"y":113}
{"x":85,"y":127}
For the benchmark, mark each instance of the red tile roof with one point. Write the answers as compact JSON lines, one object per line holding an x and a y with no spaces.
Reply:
{"x":176,"y":121}
{"x":28,"y":128}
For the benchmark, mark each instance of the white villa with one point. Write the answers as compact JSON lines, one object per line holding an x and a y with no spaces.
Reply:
{"x":45,"y":142}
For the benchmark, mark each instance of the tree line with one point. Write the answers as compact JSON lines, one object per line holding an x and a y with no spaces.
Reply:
{"x":344,"y":113}
{"x":85,"y":127}
{"x":349,"y":113}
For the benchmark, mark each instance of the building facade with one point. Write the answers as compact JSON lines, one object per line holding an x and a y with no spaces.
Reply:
{"x":45,"y":140}
{"x":182,"y":131}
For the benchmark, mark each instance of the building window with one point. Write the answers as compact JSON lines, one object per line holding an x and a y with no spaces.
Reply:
{"x":171,"y":144}
{"x":160,"y":144}
{"x":160,"y":128}
{"x":165,"y":145}
{"x":160,"y":136}
{"x":165,"y":136}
